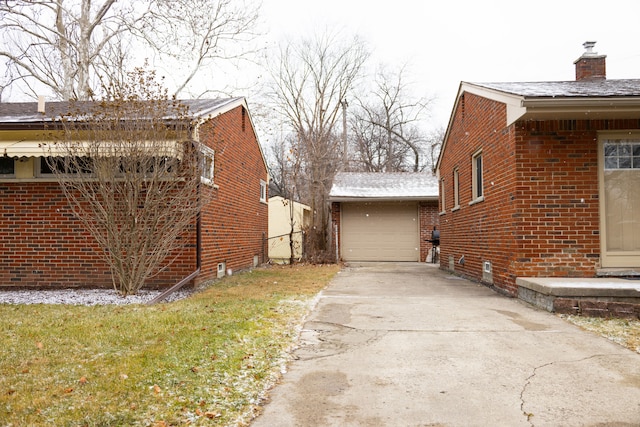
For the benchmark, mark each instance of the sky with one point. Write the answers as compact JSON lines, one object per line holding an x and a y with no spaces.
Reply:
{"x":448,"y":41}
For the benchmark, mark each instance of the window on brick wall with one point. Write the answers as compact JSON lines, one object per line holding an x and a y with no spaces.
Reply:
{"x":477,"y":176}
{"x":207,"y":165}
{"x":443,"y":206}
{"x":456,"y":189}
{"x":7,"y":167}
{"x":622,"y":155}
{"x":70,"y":166}
{"x":263,"y":191}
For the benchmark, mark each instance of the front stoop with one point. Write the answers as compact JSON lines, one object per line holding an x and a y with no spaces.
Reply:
{"x":598,"y":297}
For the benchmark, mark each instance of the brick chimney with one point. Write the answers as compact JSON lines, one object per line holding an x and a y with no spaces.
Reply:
{"x":590,"y":66}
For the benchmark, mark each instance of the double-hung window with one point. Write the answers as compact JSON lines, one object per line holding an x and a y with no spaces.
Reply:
{"x":263,"y":191}
{"x":477,"y":174}
{"x":456,"y":189}
{"x":206,"y":165}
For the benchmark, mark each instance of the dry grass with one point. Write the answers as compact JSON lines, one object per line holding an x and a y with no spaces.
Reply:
{"x":205,"y":360}
{"x":625,"y":332}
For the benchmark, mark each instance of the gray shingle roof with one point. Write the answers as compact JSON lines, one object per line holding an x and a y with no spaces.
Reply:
{"x":569,"y":89}
{"x":27,"y":112}
{"x":384,"y":186}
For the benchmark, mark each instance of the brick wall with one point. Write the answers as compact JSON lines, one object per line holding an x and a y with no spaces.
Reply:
{"x":540,"y":213}
{"x":429,"y":219}
{"x":43,"y":245}
{"x":558,"y":196}
{"x":480,"y":232}
{"x":235,"y":223}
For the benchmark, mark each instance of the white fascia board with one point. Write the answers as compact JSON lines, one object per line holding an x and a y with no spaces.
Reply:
{"x":515,"y":103}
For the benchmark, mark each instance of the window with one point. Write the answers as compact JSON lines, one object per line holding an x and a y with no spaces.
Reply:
{"x":456,"y":189}
{"x":207,"y":162}
{"x":623,"y":154}
{"x":7,"y":167}
{"x":73,"y":165}
{"x":263,"y":191}
{"x":443,"y":206}
{"x":477,"y":171}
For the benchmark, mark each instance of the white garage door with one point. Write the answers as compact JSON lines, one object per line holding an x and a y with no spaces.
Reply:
{"x":380,"y":232}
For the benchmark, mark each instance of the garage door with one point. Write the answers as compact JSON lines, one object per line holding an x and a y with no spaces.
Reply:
{"x":380,"y":232}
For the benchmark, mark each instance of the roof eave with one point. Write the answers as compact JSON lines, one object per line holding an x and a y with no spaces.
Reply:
{"x":581,"y":108}
{"x":383,"y":199}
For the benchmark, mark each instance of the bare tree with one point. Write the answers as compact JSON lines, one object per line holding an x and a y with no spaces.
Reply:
{"x":386,"y":126}
{"x":72,"y":47}
{"x":311,"y":80}
{"x":131,"y":174}
{"x":435,"y":138}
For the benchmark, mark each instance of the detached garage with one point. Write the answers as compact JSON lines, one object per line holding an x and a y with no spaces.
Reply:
{"x":383,"y":216}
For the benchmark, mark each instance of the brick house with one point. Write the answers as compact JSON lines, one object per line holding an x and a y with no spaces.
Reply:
{"x":541,"y":179}
{"x":43,"y":245}
{"x":383,"y":216}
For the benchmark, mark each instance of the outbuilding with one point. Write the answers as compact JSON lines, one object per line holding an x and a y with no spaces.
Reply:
{"x":384,"y":216}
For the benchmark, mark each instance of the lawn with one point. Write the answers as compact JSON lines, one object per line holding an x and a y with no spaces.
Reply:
{"x":204,"y":360}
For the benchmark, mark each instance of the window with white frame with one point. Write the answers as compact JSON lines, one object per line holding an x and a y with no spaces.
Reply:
{"x":443,"y":207}
{"x":207,"y":165}
{"x":263,"y":191}
{"x":456,"y":188}
{"x":477,"y":173}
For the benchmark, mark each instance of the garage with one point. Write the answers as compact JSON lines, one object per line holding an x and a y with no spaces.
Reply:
{"x":380,"y":231}
{"x":383,"y":216}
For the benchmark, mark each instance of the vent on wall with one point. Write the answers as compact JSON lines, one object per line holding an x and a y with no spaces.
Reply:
{"x":487,"y":273}
{"x":221,"y":270}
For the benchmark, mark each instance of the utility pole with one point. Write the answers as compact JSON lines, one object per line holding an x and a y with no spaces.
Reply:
{"x":345,"y":157}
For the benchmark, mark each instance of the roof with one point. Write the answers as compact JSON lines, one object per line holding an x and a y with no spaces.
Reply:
{"x":27,"y":112}
{"x":569,"y":89}
{"x":594,"y":99}
{"x":381,"y":186}
{"x":591,"y":99}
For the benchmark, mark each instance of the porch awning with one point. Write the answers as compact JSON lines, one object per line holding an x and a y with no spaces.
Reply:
{"x":41,"y":148}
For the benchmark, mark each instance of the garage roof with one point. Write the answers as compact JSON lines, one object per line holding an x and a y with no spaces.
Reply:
{"x":393,"y":186}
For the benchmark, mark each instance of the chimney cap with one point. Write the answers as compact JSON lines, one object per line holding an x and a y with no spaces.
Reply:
{"x":588,"y":48}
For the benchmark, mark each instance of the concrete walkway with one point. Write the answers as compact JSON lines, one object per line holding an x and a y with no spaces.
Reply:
{"x":407,"y":344}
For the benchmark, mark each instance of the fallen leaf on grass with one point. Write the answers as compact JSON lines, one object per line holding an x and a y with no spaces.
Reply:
{"x":39,"y":345}
{"x":156,"y":389}
{"x":211,"y":414}
{"x":68,"y":390}
{"x":83,"y":380}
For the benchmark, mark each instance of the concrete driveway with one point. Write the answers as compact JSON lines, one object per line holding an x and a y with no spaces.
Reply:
{"x":406,"y":344}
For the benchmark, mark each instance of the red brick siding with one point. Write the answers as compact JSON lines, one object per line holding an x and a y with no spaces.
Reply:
{"x":234,"y":224}
{"x":591,"y":68}
{"x":43,"y":245}
{"x":429,"y":219}
{"x":481,"y":231}
{"x":558,"y":196}
{"x":540,"y":214}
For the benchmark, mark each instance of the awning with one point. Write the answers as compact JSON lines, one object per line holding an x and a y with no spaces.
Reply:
{"x":41,"y":148}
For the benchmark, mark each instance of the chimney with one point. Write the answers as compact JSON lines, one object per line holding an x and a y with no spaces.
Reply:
{"x":41,"y":108}
{"x":590,"y":66}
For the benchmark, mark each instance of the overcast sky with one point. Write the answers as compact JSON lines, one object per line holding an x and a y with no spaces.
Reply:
{"x":449,"y":41}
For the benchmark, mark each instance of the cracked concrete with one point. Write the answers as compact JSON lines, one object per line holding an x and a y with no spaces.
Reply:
{"x":404,"y":344}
